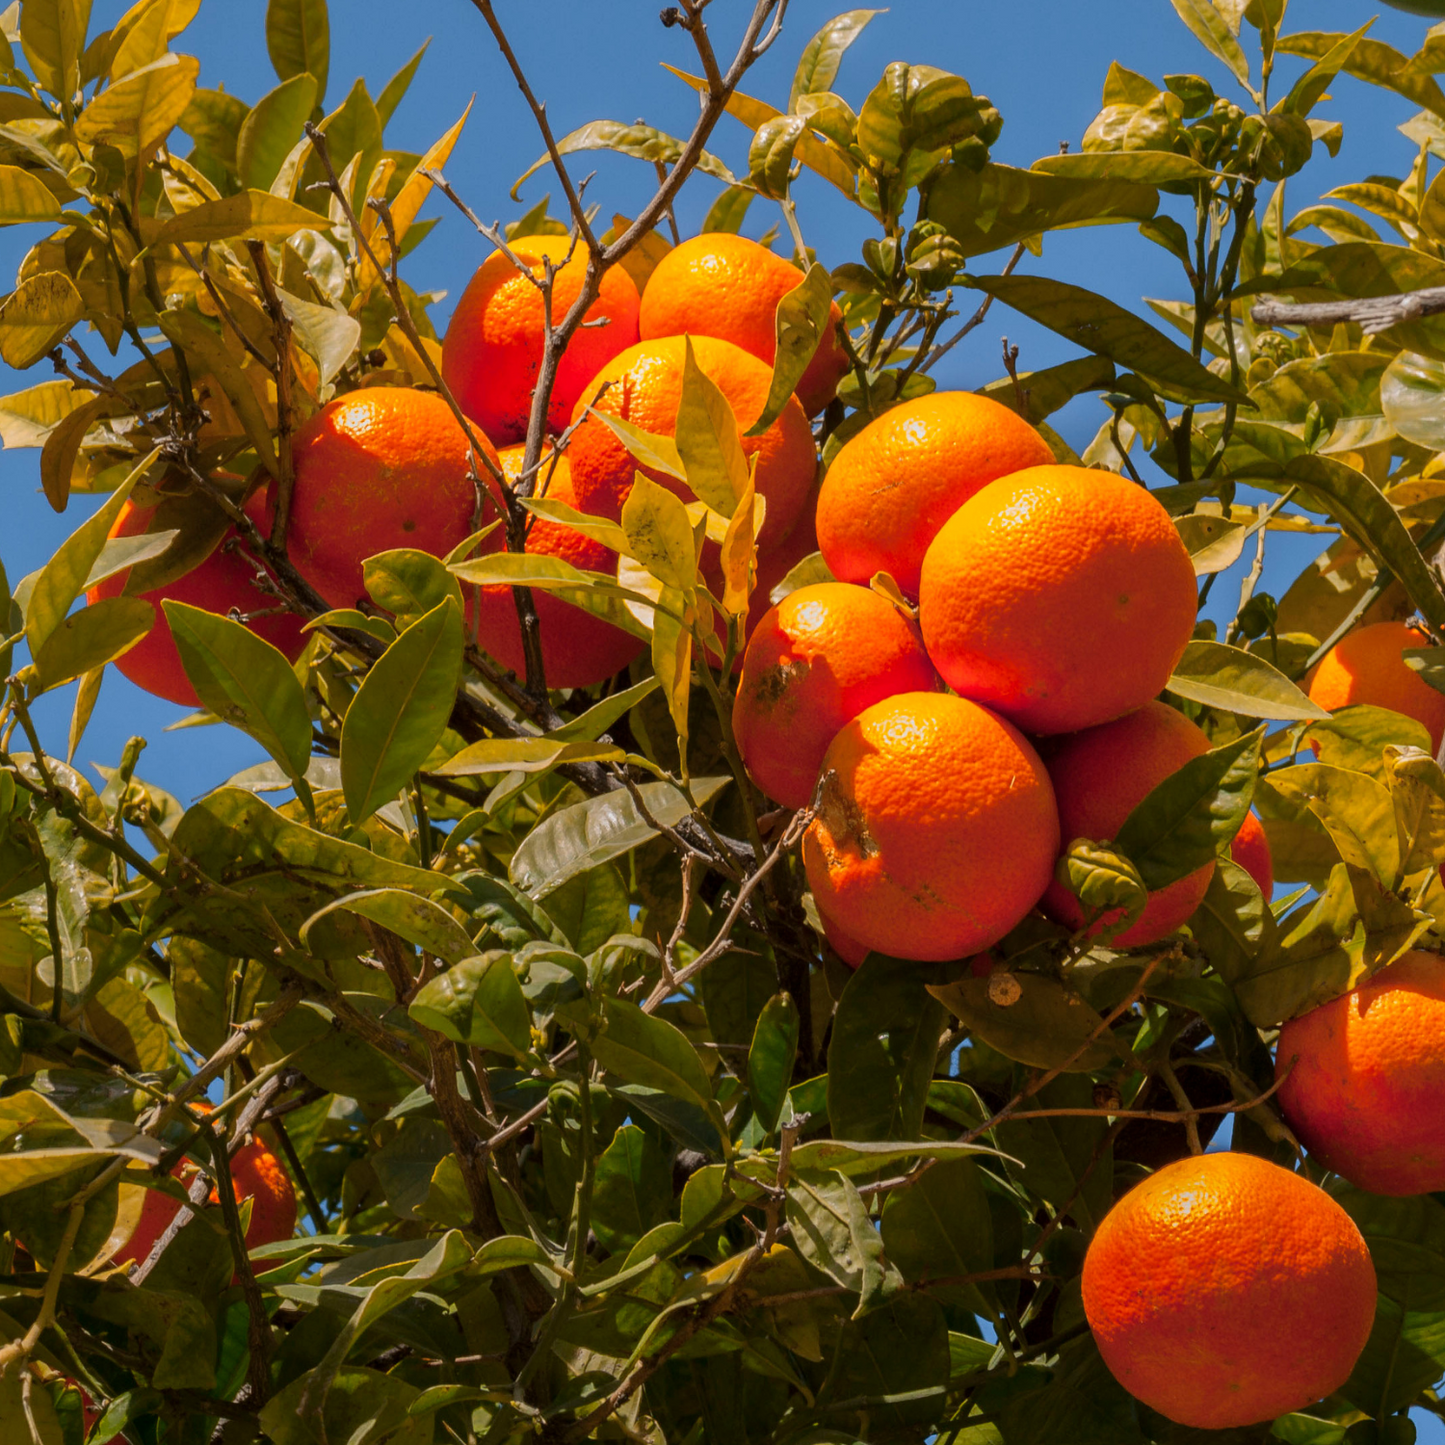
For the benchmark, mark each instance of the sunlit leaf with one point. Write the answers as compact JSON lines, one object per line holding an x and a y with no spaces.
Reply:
{"x":1239,"y":682}
{"x":36,"y":316}
{"x":298,"y":40}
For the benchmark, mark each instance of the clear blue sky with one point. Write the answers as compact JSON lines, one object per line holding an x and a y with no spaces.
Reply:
{"x":1041,"y":61}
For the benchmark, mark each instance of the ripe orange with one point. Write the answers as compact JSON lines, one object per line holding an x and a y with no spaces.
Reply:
{"x":1224,"y":1291}
{"x":848,"y":949}
{"x":1250,"y":849}
{"x":815,"y":661}
{"x":258,"y":1175}
{"x":644,"y":388}
{"x":378,"y":469}
{"x":1099,"y":777}
{"x":223,"y":581}
{"x":723,"y":285}
{"x":1060,"y":596}
{"x":893,"y":486}
{"x":493,"y":348}
{"x":937,"y":829}
{"x":578,"y":649}
{"x":1369,"y":1072}
{"x":1365,"y":666}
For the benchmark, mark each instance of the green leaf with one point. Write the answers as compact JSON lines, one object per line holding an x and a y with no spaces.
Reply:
{"x":1310,"y":88}
{"x":1233,"y":924}
{"x":941,"y":1226}
{"x":632,"y":1191}
{"x":420,"y":921}
{"x":446,"y":1258}
{"x":1184,"y":822}
{"x":1213,"y":32}
{"x":1099,"y":325}
{"x":395,"y":88}
{"x":1356,"y":737}
{"x":360,"y":1405}
{"x":800,"y":324}
{"x":672,"y":665}
{"x":585,"y":834}
{"x":832,"y":1231}
{"x":1356,"y":810}
{"x":244,"y":681}
{"x":1372,"y":61}
{"x":1103,"y":880}
{"x":643,"y":1049}
{"x":1404,"y":1355}
{"x":298,"y":40}
{"x":770,"y":156}
{"x":328,"y":335}
{"x":408,"y":583}
{"x":917,"y":107}
{"x":1359,"y":505}
{"x":891,"y":1375}
{"x":883,"y":1051}
{"x":1239,"y":682}
{"x":137,"y":113}
{"x":269,"y":132}
{"x":999,"y":206}
{"x":525,"y":755}
{"x":63,"y":576}
{"x":400,"y":711}
{"x":93,"y":636}
{"x":1046,"y":1025}
{"x":771,"y":1057}
{"x":729,"y":211}
{"x":818,"y":64}
{"x":23,"y":197}
{"x":1417,"y":787}
{"x":708,"y":440}
{"x":253,"y":215}
{"x":478,"y":1002}
{"x":36,"y":317}
{"x":1056,"y":1153}
{"x":1143,"y":168}
{"x":1412,"y":397}
{"x":642,"y":141}
{"x":1044,"y":392}
{"x":659,"y":533}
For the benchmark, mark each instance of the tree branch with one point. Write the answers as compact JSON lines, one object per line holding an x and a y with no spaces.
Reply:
{"x":1372,"y":313}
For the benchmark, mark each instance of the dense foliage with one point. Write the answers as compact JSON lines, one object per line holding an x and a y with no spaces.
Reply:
{"x":596,"y":1138}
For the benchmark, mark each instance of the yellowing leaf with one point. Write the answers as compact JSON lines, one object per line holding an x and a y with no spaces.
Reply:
{"x":247,"y":216}
{"x":708,"y":439}
{"x":660,"y":534}
{"x":408,"y":202}
{"x":36,"y":317}
{"x":24,"y":197}
{"x":137,"y":113}
{"x":739,"y":557}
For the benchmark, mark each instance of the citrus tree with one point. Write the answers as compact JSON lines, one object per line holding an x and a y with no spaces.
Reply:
{"x":638,"y":999}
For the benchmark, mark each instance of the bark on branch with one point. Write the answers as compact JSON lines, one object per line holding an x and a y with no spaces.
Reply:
{"x":1371,"y":313}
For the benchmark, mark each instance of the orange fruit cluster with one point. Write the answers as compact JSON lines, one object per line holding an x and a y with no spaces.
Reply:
{"x":1053,"y":601}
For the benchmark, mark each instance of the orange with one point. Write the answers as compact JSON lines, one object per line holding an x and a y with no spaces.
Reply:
{"x":1250,"y":849}
{"x":225,"y":580}
{"x":723,"y":285}
{"x":1059,"y":596}
{"x":815,"y":661}
{"x":1366,"y":667}
{"x":256,"y":1173}
{"x":1099,"y":777}
{"x":1369,"y":1073}
{"x":893,"y":486}
{"x":578,"y":649}
{"x":644,"y":386}
{"x":848,"y":949}
{"x":1225,"y":1291}
{"x":375,"y":470}
{"x":937,"y":829}
{"x":492,"y":352}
